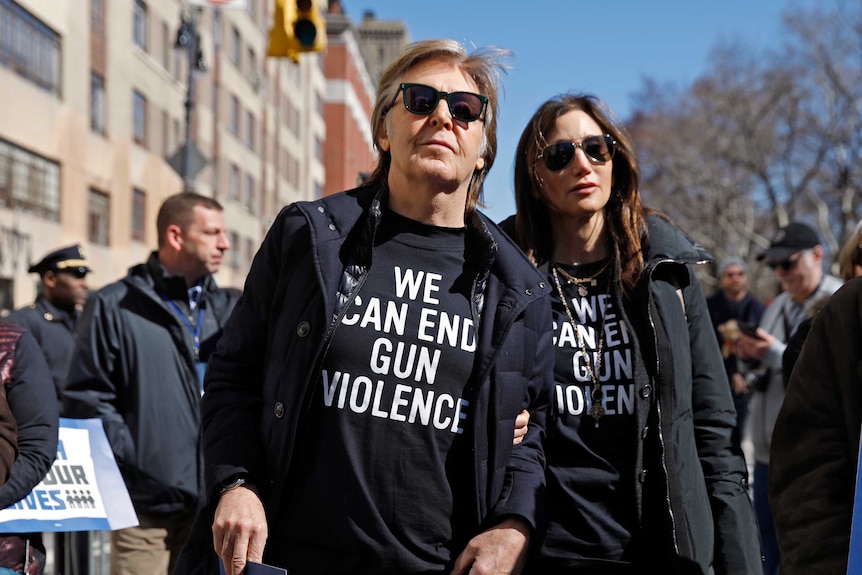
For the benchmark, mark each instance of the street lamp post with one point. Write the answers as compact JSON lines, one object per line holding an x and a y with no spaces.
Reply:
{"x":189,"y":40}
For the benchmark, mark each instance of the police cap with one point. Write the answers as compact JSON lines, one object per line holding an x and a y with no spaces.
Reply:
{"x":70,"y":259}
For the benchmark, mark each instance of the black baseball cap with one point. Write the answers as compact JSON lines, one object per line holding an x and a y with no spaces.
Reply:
{"x":792,"y":238}
{"x":69,"y":259}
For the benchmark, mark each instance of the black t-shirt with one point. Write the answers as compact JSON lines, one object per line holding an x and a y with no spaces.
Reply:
{"x":591,"y":462}
{"x":382,"y":466}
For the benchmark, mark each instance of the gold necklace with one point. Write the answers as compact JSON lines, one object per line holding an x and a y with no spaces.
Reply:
{"x":596,"y":394}
{"x":582,"y":283}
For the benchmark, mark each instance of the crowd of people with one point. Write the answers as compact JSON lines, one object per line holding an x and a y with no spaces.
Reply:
{"x":405,"y":386}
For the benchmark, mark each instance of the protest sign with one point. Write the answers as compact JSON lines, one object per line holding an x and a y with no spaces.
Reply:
{"x":83,"y":491}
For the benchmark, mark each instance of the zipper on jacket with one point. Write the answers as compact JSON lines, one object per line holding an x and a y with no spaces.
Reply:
{"x":660,"y":434}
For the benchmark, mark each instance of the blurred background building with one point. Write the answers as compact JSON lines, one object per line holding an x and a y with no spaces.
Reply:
{"x":92,"y":136}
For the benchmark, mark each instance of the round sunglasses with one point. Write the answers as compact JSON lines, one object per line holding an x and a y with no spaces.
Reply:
{"x":597,"y":149}
{"x":422,"y":100}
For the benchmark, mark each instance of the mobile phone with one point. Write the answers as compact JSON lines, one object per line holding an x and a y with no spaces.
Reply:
{"x":748,"y":328}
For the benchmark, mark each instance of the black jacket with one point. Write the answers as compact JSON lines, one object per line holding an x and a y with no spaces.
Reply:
{"x":54,"y":331}
{"x":815,"y":444}
{"x":134,"y":368}
{"x":30,"y":393}
{"x":691,"y":481}
{"x":302,"y":281}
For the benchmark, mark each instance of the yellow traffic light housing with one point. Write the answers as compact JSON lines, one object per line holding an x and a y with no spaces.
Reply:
{"x":281,"y":41}
{"x":309,"y":27}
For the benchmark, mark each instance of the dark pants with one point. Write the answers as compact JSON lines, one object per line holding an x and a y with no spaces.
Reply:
{"x":764,"y":519}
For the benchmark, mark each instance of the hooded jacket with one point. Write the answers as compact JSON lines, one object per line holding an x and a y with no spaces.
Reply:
{"x":302,"y":282}
{"x":134,"y":367}
{"x":691,"y":481}
{"x":693,"y":476}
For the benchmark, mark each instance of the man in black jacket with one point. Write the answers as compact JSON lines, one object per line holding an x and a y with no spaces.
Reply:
{"x":359,"y":410}
{"x":53,"y":317}
{"x":143,"y":347}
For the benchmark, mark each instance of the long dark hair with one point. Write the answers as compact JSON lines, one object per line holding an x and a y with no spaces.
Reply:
{"x":624,"y":213}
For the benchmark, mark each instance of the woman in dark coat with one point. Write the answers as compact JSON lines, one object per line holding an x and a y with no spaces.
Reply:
{"x":642,"y":471}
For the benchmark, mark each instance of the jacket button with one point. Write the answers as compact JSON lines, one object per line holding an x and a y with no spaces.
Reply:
{"x":303,"y":328}
{"x":642,"y":476}
{"x":646,"y":391}
{"x":332,"y":227}
{"x":528,"y":291}
{"x":645,"y":432}
{"x":279,"y":410}
{"x":320,"y":209}
{"x":542,"y":285}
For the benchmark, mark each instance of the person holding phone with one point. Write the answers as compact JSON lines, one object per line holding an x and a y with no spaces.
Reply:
{"x":732,"y":308}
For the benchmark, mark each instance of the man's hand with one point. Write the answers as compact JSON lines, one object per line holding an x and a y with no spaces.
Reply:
{"x":738,"y":384}
{"x":239,"y":529}
{"x":501,"y":550}
{"x":521,"y":423}
{"x":754,"y":348}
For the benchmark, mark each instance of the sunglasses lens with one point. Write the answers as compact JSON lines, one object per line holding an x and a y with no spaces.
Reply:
{"x":596,"y":148}
{"x":420,"y":99}
{"x":465,"y":106}
{"x":785,"y":265}
{"x":557,"y":156}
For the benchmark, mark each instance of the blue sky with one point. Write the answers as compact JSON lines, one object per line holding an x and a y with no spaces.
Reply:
{"x":605,"y":48}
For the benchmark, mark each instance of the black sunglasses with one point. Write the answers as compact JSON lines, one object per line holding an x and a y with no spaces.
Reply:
{"x":598,"y":149}
{"x":785,"y":265}
{"x":422,"y":100}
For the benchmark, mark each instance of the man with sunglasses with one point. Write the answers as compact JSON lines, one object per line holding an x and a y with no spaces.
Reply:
{"x":359,"y":412}
{"x":795,"y":255}
{"x":53,"y":317}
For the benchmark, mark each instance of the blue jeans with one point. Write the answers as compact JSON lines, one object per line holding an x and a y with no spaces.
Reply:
{"x":764,"y":519}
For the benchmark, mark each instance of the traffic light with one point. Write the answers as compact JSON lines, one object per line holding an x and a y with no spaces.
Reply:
{"x":281,"y":41}
{"x":309,"y":29}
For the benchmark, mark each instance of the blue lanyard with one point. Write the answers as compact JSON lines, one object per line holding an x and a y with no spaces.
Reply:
{"x":194,"y":329}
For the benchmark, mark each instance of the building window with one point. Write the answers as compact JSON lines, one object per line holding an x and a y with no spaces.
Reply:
{"x":234,"y":114}
{"x":248,"y":200}
{"x":235,"y":43}
{"x":139,"y":204}
{"x":28,"y":47}
{"x":140,"y":24}
{"x":98,"y":217}
{"x":140,"y":118}
{"x":97,"y":16}
{"x":167,"y":46}
{"x":318,"y":149}
{"x":166,"y":134}
{"x":233,"y":255}
{"x":249,"y":251}
{"x":233,"y":184}
{"x":97,"y":103}
{"x":29,"y":182}
{"x":249,"y":129}
{"x":251,"y":68}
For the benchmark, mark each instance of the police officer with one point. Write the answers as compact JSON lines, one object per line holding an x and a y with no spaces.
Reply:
{"x":53,"y":316}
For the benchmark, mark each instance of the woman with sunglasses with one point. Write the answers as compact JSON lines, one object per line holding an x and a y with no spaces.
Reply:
{"x":642,"y":470}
